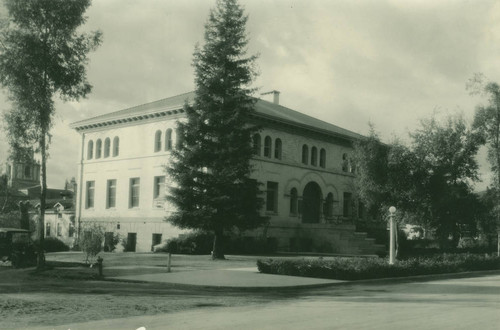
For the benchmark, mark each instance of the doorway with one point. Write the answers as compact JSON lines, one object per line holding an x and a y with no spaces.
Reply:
{"x":131,"y":242}
{"x":311,"y":201}
{"x":156,"y":240}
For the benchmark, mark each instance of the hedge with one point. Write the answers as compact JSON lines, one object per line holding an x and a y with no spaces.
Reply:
{"x":341,"y":268}
{"x":201,"y":242}
{"x":53,"y":244}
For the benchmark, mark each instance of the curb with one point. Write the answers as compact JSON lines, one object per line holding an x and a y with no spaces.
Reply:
{"x":387,"y":280}
{"x":226,"y":288}
{"x":425,"y":278}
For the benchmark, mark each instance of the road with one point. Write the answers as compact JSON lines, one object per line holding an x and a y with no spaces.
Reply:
{"x":468,"y":303}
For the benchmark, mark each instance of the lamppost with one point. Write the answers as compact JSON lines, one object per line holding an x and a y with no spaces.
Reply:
{"x":392,"y":233}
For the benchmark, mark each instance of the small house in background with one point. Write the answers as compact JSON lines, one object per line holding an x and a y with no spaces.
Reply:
{"x":59,"y":220}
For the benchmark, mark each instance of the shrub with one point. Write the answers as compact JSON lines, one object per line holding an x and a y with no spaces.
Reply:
{"x":124,"y":244}
{"x":110,"y":241}
{"x":52,"y":244}
{"x":369,"y":268}
{"x":250,"y":245}
{"x":198,"y":242}
{"x":91,"y":241}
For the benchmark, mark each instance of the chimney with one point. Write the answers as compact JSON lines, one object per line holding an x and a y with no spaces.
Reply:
{"x":276,"y":96}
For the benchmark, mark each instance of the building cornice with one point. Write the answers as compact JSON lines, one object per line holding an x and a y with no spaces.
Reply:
{"x":126,"y":119}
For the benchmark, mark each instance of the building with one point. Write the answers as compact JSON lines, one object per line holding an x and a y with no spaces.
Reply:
{"x":59,"y":220}
{"x":21,"y":174}
{"x":303,"y":163}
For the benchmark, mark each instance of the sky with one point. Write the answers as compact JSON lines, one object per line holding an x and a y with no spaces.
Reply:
{"x":349,"y":63}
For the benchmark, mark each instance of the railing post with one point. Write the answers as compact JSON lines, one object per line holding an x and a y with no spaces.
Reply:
{"x":169,"y":262}
{"x":392,"y":233}
{"x":99,"y":265}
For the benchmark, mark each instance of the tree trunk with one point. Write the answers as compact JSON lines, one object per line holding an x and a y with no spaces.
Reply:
{"x":43,"y":194}
{"x":25,"y":218}
{"x":217,"y":251}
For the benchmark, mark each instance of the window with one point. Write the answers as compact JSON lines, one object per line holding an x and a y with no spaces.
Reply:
{"x":157,"y":141}
{"x":322,"y":158}
{"x":90,"y":194}
{"x":305,"y":154}
{"x":294,"y":199}
{"x":267,"y":147}
{"x":347,"y":204}
{"x":116,"y":146}
{"x":272,"y":197}
{"x":352,"y":166}
{"x":168,"y":139}
{"x":277,"y":149}
{"x":179,"y":138}
{"x":71,"y":230}
{"x":159,"y":185}
{"x":107,"y":147}
{"x":90,"y":149}
{"x":314,"y":156}
{"x":27,"y":172}
{"x":59,"y":229}
{"x":134,"y":192}
{"x":98,"y":148}
{"x":59,"y":215}
{"x":111,"y":194}
{"x":345,"y":163}
{"x":257,"y":144}
{"x":328,"y":209}
{"x":47,"y":229}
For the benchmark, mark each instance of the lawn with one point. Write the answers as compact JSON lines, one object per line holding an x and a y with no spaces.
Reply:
{"x":70,"y":264}
{"x":181,"y":262}
{"x":67,"y":294}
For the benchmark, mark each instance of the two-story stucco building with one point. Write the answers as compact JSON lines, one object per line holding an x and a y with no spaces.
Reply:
{"x":302,"y":162}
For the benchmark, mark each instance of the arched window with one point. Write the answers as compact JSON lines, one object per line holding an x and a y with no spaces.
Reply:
{"x":314,"y":156}
{"x":328,"y":210}
{"x":90,"y":149}
{"x":157,"y":141}
{"x":107,"y":147}
{"x":116,"y":146}
{"x":305,"y":154}
{"x":257,"y":144}
{"x":168,"y":139}
{"x":277,"y":149}
{"x":322,"y":158}
{"x":294,"y":201}
{"x":345,"y":163}
{"x":98,"y":148}
{"x":267,"y":147}
{"x":352,"y":166}
{"x":179,"y":138}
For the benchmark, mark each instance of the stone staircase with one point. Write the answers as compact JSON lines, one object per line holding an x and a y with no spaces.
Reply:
{"x":325,"y":238}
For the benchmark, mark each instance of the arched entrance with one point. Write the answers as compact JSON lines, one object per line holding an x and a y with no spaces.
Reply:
{"x":311,"y":201}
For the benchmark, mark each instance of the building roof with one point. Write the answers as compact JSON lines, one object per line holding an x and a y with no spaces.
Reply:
{"x":53,"y":203}
{"x":174,"y":105}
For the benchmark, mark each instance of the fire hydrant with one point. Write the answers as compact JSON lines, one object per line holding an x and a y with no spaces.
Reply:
{"x":99,"y":265}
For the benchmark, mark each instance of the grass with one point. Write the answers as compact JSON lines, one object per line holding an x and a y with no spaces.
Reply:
{"x":69,"y":292}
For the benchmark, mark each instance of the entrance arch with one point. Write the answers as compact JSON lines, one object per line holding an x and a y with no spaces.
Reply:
{"x":311,"y":201}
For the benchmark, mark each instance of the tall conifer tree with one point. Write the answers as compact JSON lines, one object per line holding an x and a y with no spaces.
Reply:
{"x":211,"y":166}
